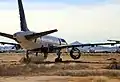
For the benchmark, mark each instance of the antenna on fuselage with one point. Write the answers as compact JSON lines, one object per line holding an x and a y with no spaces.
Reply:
{"x":23,"y":23}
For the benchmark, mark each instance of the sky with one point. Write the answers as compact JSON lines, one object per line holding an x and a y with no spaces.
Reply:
{"x":86,"y":21}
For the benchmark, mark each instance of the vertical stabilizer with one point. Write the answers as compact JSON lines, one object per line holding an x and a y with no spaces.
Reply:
{"x":23,"y":23}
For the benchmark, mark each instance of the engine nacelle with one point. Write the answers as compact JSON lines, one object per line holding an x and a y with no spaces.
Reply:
{"x":75,"y":53}
{"x":17,"y":47}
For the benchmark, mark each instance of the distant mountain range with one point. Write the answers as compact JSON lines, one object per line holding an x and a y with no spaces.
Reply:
{"x":96,"y":48}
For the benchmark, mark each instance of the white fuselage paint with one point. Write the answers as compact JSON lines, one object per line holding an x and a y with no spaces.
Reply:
{"x":45,"y":41}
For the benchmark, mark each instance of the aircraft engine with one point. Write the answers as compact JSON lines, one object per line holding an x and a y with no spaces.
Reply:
{"x":75,"y":53}
{"x":17,"y":47}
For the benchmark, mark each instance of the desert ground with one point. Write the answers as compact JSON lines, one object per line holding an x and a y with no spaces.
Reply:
{"x":91,"y":67}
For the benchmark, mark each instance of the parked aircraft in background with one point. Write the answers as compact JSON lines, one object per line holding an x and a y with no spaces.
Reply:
{"x":97,"y":49}
{"x":41,"y":42}
{"x":117,"y":41}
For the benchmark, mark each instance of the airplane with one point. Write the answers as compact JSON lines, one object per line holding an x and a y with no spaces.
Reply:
{"x":42,"y":42}
{"x":117,"y":41}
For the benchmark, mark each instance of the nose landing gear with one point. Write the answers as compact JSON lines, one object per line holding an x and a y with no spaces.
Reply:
{"x":58,"y":59}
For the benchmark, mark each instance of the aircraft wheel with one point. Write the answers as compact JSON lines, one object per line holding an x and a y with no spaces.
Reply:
{"x":58,"y":60}
{"x":75,"y":53}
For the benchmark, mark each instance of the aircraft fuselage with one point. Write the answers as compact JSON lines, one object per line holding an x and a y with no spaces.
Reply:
{"x":44,"y":41}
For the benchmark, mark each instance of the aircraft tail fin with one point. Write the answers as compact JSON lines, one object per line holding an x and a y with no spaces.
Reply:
{"x":23,"y":23}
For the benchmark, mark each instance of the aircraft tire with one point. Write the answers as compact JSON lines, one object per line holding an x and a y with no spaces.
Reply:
{"x":73,"y":56}
{"x":58,"y":60}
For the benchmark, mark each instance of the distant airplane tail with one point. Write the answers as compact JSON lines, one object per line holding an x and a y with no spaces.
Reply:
{"x":23,"y":23}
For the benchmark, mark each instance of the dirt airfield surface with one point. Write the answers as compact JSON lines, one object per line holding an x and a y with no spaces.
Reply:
{"x":58,"y":79}
{"x":89,"y":68}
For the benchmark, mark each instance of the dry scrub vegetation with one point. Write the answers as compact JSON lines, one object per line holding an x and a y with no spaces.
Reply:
{"x":34,"y":69}
{"x":55,"y":69}
{"x":61,"y":69}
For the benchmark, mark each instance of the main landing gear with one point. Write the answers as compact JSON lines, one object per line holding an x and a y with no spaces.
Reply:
{"x":27,"y":54}
{"x":74,"y":54}
{"x":58,"y":59}
{"x":26,"y":59}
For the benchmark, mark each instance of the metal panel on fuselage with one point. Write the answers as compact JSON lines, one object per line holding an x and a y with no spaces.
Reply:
{"x":47,"y":41}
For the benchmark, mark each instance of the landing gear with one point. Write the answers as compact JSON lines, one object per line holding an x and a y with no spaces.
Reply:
{"x":36,"y":54}
{"x":27,"y":59}
{"x":27,"y":54}
{"x":58,"y":59}
{"x":75,"y":53}
{"x":45,"y":55}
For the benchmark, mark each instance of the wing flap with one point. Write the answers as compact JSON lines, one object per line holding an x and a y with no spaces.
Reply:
{"x":36,"y":35}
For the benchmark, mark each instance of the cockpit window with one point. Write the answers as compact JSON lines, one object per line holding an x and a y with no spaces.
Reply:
{"x":63,"y":40}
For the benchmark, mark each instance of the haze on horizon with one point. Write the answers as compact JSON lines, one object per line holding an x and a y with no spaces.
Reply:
{"x":82,"y":20}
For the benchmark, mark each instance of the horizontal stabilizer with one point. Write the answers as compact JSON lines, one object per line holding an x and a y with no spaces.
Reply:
{"x":7,"y":35}
{"x":36,"y":35}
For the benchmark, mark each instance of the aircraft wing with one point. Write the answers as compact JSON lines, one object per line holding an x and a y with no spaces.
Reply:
{"x":83,"y":45}
{"x":8,"y":43}
{"x":15,"y":44}
{"x":117,"y":41}
{"x":36,"y":35}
